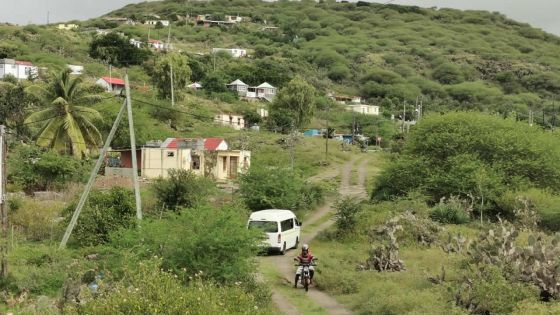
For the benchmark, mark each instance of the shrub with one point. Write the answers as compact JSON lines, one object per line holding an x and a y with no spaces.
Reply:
{"x":347,"y":209}
{"x":265,"y":188}
{"x":214,"y":242}
{"x":36,"y":219}
{"x":105,"y":212}
{"x":181,"y":189}
{"x":492,"y":293}
{"x":448,"y":73}
{"x":451,"y":211}
{"x":150,"y":290}
{"x":473,"y":155}
{"x":33,"y":169}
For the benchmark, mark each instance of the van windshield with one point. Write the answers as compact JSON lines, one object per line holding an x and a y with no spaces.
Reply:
{"x":266,"y":226}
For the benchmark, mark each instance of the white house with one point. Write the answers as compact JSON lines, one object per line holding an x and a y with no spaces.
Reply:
{"x":67,"y":27}
{"x":364,"y":109}
{"x":155,"y":22}
{"x":156,"y":44}
{"x":263,"y":91}
{"x":195,"y":86}
{"x":234,"y":52}
{"x":114,"y":85}
{"x":238,"y":86}
{"x":234,"y":18}
{"x":21,"y":70}
{"x":77,"y":70}
{"x":235,"y":121}
{"x":135,"y":43}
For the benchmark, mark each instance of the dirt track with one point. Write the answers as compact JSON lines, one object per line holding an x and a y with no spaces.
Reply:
{"x":284,"y":264}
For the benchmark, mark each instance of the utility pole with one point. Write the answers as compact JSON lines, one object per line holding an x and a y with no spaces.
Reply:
{"x":110,"y":77}
{"x":133,"y":149}
{"x":170,"y":67}
{"x":4,"y":208}
{"x":531,"y":118}
{"x":353,"y":126}
{"x":48,"y":17}
{"x":327,"y":135}
{"x":92,"y":176}
{"x":403,"y":115}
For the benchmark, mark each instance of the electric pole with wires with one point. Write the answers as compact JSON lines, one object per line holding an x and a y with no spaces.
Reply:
{"x":3,"y":206}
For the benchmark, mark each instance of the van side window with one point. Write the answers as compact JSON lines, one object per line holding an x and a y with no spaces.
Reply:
{"x":287,"y":225}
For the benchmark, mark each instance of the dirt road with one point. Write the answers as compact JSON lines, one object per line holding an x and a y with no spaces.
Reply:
{"x":284,"y":264}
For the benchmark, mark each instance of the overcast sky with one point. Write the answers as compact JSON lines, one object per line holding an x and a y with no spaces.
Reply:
{"x":539,"y":13}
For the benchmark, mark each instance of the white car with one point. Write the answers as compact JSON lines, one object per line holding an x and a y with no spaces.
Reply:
{"x":281,"y":227}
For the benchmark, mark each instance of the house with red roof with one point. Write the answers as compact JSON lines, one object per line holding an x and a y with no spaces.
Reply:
{"x":209,"y":157}
{"x":114,"y":85}
{"x":21,"y":70}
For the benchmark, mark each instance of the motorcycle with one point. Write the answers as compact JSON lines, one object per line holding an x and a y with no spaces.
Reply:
{"x":305,"y":277}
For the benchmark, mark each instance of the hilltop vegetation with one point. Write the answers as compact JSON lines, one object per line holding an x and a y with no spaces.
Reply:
{"x":388,"y":54}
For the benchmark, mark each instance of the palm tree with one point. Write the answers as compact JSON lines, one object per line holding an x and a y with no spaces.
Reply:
{"x":67,"y":127}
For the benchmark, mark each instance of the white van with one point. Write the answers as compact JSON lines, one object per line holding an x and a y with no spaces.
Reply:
{"x":280,"y":226}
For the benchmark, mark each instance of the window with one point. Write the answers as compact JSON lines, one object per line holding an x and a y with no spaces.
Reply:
{"x":287,"y":225}
{"x":238,"y":121}
{"x":170,"y":154}
{"x":195,"y":164}
{"x":266,"y":226}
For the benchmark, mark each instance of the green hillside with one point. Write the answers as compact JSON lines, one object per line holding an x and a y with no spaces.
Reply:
{"x":387,"y":54}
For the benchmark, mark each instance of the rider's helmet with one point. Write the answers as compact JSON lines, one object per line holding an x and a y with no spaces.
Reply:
{"x":305,"y":248}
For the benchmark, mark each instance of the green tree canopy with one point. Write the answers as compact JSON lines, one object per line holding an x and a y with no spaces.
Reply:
{"x":472,"y":154}
{"x":298,"y":100}
{"x":66,"y":127}
{"x":116,"y":50}
{"x":162,"y":75}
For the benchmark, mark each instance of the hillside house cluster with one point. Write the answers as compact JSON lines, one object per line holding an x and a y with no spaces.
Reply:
{"x":210,"y":157}
{"x":121,"y":20}
{"x":21,"y":70}
{"x":208,"y":20}
{"x":265,"y":91}
{"x":155,"y":22}
{"x":234,"y":52}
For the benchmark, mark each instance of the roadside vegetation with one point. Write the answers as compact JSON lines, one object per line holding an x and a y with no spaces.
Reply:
{"x":463,"y":208}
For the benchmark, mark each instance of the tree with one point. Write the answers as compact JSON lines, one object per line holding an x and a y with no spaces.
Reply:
{"x":448,"y":73}
{"x":13,"y":105}
{"x":162,"y":75}
{"x":181,"y":189}
{"x":116,"y":50}
{"x":298,"y":100}
{"x":66,"y":126}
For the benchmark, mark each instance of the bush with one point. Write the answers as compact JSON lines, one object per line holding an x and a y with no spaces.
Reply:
{"x":265,"y":188}
{"x":451,"y":211}
{"x":213,"y":242}
{"x":473,"y":156}
{"x":492,"y":293}
{"x":33,"y":169}
{"x":448,"y":73}
{"x":181,"y":189}
{"x":347,"y":209}
{"x":150,"y":290}
{"x":105,"y":212}
{"x":36,"y":219}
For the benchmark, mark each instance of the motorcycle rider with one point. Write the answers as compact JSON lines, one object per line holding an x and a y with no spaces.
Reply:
{"x":304,"y":258}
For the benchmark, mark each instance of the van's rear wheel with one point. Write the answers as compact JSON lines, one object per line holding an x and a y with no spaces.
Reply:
{"x":283,"y":251}
{"x":297,"y":243}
